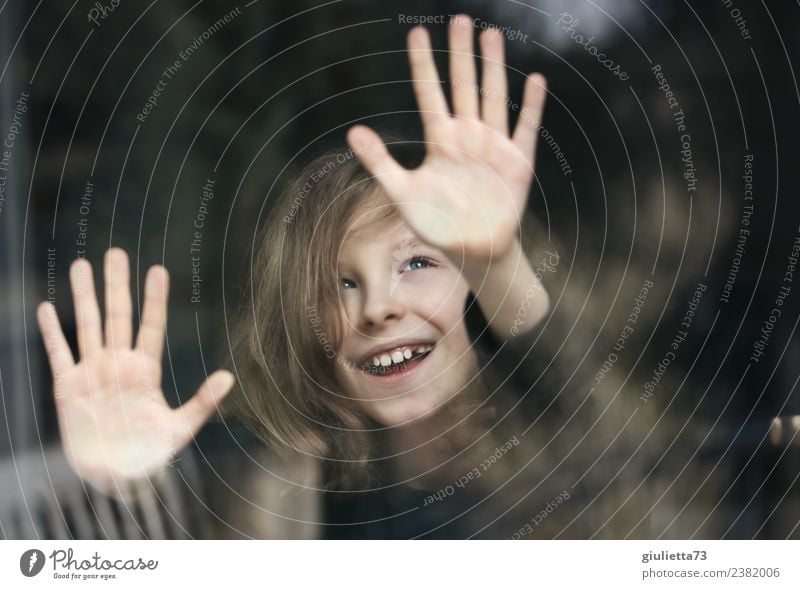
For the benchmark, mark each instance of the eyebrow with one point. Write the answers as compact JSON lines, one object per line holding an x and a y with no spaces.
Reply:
{"x":412,"y":241}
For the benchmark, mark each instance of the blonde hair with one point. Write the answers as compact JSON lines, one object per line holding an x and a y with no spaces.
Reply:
{"x":286,"y":332}
{"x":288,"y":397}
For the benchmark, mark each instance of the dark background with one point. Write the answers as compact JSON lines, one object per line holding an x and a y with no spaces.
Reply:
{"x":267,"y":91}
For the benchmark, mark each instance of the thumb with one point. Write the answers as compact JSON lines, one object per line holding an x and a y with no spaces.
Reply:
{"x":193,"y":414}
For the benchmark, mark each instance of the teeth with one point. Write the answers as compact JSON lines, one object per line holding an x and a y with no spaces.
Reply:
{"x":399,"y":355}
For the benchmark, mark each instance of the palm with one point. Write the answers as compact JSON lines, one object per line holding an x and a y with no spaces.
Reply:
{"x":115,"y":424}
{"x":468,"y":195}
{"x":112,"y":421}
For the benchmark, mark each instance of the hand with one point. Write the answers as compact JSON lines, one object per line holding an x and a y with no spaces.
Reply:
{"x":116,"y":426}
{"x":468,"y":195}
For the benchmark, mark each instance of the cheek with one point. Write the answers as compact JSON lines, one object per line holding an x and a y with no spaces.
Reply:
{"x":459,"y":348}
{"x":347,"y":312}
{"x":442,"y":301}
{"x":348,"y":383}
{"x":340,"y":372}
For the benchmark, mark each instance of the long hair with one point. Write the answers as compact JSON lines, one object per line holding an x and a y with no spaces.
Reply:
{"x":288,"y":329}
{"x":284,"y":352}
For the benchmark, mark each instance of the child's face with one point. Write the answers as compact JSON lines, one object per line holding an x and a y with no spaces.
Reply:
{"x":401,"y":298}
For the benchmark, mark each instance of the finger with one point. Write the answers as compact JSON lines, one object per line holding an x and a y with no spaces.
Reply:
{"x":372,"y":152}
{"x":530,"y":116}
{"x":150,"y":339}
{"x":494,"y":109}
{"x":191,"y":416}
{"x":119,"y":312}
{"x":427,"y":84}
{"x":462,"y":68}
{"x":87,"y":312}
{"x":58,"y":353}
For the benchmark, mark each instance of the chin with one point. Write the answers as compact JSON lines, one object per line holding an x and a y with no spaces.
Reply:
{"x":402,"y":410}
{"x":393,"y":405}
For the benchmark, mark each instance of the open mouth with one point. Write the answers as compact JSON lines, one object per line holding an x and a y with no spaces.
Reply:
{"x":396,"y":360}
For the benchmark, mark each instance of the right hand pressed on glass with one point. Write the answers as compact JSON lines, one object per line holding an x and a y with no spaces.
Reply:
{"x":467,"y":197}
{"x":116,"y":427}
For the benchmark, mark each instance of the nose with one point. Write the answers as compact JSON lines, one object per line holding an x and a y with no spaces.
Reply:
{"x":381,"y":305}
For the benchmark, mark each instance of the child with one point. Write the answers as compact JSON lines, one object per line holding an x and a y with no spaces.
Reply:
{"x":354,"y":347}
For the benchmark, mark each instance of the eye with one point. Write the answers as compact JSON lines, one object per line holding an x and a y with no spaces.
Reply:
{"x":419,"y":263}
{"x":346,"y":283}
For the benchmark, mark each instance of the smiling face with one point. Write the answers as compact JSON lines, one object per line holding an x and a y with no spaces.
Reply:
{"x":404,"y":349}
